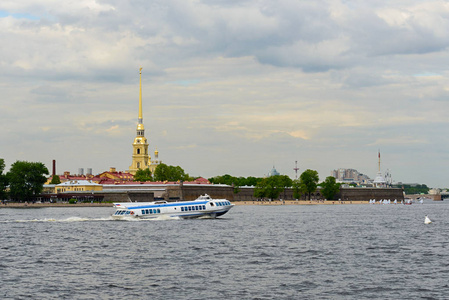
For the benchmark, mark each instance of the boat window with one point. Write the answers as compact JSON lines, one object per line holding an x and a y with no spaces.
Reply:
{"x":196,"y":207}
{"x":211,"y":203}
{"x":190,"y":208}
{"x":143,"y":211}
{"x":127,"y":213}
{"x":151,"y":211}
{"x":204,"y":207}
{"x":158,"y":211}
{"x":182,"y":208}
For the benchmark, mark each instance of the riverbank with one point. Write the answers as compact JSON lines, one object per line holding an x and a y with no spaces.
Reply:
{"x":39,"y":205}
{"x":299,"y":202}
{"x":287,"y":202}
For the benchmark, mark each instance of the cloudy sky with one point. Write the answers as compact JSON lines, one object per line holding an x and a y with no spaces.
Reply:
{"x":229,"y":86}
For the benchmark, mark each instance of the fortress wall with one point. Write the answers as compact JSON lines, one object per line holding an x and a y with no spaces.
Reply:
{"x":129,"y":196}
{"x":191,"y":192}
{"x":365,"y":194}
{"x":116,"y":197}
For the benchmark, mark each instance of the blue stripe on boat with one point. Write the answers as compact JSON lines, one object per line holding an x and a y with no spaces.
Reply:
{"x":168,"y":204}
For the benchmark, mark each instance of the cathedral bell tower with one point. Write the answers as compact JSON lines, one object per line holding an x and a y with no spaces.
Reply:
{"x":141,"y":158}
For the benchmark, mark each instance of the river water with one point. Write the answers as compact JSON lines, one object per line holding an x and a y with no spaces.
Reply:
{"x":253,"y":252}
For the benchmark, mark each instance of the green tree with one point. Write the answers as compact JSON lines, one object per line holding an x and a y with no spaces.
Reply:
{"x":298,"y":189}
{"x":55,"y":180}
{"x":237,"y":181}
{"x":329,"y":187}
{"x":26,"y":179}
{"x":308,"y":181}
{"x":3,"y":180}
{"x":271,"y":187}
{"x":414,"y":189}
{"x":143,"y":175}
{"x":164,"y":172}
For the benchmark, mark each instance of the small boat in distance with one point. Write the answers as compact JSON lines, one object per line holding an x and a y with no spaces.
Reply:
{"x":202,"y":207}
{"x":408,"y":201}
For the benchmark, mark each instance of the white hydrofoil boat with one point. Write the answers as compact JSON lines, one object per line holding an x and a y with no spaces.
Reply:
{"x":203,"y":207}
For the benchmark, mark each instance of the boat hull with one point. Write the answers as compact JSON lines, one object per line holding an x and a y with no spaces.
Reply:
{"x":203,"y":207}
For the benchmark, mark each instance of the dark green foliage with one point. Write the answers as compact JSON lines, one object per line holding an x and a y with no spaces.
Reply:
{"x":271,"y":187}
{"x":164,"y":172}
{"x":298,"y":190}
{"x":55,"y":180}
{"x":143,"y":175}
{"x":414,"y":189}
{"x":3,"y":180}
{"x":329,"y":187}
{"x":26,"y":180}
{"x":236,"y":181}
{"x":308,"y":181}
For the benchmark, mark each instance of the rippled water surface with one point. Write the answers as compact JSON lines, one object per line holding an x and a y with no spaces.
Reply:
{"x":253,"y":252}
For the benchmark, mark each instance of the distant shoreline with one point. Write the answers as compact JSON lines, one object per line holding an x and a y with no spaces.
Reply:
{"x":299,"y":202}
{"x":41,"y":205}
{"x":269,"y":203}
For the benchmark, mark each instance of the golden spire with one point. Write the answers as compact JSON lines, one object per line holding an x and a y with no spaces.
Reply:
{"x":140,"y":95}
{"x":140,"y":121}
{"x":379,"y":160}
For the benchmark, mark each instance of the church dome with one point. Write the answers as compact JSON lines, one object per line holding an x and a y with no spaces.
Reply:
{"x":273,"y":172}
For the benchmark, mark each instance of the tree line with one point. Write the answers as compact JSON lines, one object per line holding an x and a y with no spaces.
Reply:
{"x":271,"y":187}
{"x":163,"y":172}
{"x":26,"y":179}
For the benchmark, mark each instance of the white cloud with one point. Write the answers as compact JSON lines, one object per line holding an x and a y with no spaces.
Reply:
{"x":228,"y":86}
